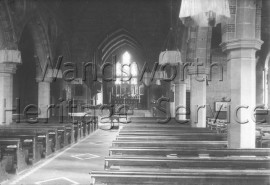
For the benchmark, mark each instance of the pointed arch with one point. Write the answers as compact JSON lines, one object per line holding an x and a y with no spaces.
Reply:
{"x":116,"y":40}
{"x":36,"y":26}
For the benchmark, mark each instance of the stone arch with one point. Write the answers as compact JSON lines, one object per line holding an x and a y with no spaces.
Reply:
{"x":7,"y":30}
{"x":119,"y":41}
{"x":40,"y":37}
{"x":116,"y":40}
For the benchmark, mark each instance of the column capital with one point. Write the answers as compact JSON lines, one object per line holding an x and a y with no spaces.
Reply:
{"x":46,"y":79}
{"x":10,"y":56}
{"x":8,"y":61}
{"x":241,"y":44}
{"x":9,"y":68}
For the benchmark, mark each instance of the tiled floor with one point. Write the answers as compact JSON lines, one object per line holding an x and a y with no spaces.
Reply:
{"x":71,"y":165}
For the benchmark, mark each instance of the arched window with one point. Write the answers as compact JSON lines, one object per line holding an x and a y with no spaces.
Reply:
{"x":134,"y":73}
{"x":126,"y":76}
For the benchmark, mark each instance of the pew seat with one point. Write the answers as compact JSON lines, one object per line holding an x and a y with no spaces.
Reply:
{"x":182,"y":177}
{"x":177,"y":162}
{"x":185,"y":137}
{"x":176,"y":151}
{"x":186,"y":144}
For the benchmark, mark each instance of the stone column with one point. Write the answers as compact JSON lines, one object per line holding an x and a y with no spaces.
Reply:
{"x":198,"y":54}
{"x":198,"y":96}
{"x":44,"y":96}
{"x":180,"y":100}
{"x":240,"y":42}
{"x":8,"y":61}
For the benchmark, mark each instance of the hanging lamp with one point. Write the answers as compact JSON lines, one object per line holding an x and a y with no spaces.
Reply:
{"x":204,"y":13}
{"x":171,"y":54}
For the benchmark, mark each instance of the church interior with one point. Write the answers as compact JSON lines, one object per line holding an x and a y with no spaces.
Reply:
{"x":116,"y":92}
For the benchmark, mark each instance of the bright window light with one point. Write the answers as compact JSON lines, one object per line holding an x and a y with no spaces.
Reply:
{"x":126,"y":58}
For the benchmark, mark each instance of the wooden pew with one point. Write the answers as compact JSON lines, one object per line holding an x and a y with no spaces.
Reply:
{"x":184,"y":129}
{"x":182,"y":177}
{"x":264,"y":137}
{"x":158,"y":127}
{"x":187,"y":144}
{"x":180,"y":155}
{"x":12,"y":155}
{"x":165,"y":151}
{"x":137,"y":162}
{"x":47,"y":136}
{"x":191,"y":137}
{"x":53,"y":137}
{"x":63,"y":132}
{"x":140,"y":134}
{"x":77,"y":131}
{"x":29,"y":143}
{"x":154,"y":120}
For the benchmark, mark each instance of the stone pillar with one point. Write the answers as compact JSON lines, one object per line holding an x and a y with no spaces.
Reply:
{"x":197,"y":96}
{"x":198,"y":54}
{"x":44,"y":96}
{"x":8,"y":61}
{"x":240,"y":42}
{"x":180,"y":100}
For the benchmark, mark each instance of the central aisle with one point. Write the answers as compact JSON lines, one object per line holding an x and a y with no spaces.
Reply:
{"x":71,"y":165}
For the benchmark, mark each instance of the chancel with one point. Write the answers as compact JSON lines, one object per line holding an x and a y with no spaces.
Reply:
{"x":120,"y":92}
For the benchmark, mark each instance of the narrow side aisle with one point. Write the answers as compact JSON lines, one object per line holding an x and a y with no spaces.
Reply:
{"x":72,"y":165}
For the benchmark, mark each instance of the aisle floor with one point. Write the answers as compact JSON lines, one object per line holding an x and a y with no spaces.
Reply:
{"x":71,"y":165}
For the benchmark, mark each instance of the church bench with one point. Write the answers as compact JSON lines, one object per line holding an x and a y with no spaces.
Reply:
{"x":77,"y":131}
{"x":163,"y":151}
{"x":187,"y":144}
{"x":29,"y":143}
{"x":191,"y":137}
{"x":141,"y":134}
{"x":157,"y":120}
{"x":263,"y":139}
{"x":138,"y":162}
{"x":88,"y":127}
{"x":190,"y":130}
{"x":46,"y":135}
{"x":13,"y":157}
{"x":84,"y":127}
{"x":63,"y":132}
{"x":182,"y":177}
{"x":155,"y":126}
{"x":52,"y":137}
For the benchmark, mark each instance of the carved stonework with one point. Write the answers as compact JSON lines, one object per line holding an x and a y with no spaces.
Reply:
{"x":10,"y":56}
{"x":241,"y":44}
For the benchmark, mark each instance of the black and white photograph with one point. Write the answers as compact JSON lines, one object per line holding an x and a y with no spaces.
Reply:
{"x":134,"y":92}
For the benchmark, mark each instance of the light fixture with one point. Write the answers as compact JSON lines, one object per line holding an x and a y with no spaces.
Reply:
{"x":204,"y":13}
{"x":172,"y":57}
{"x":170,"y":54}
